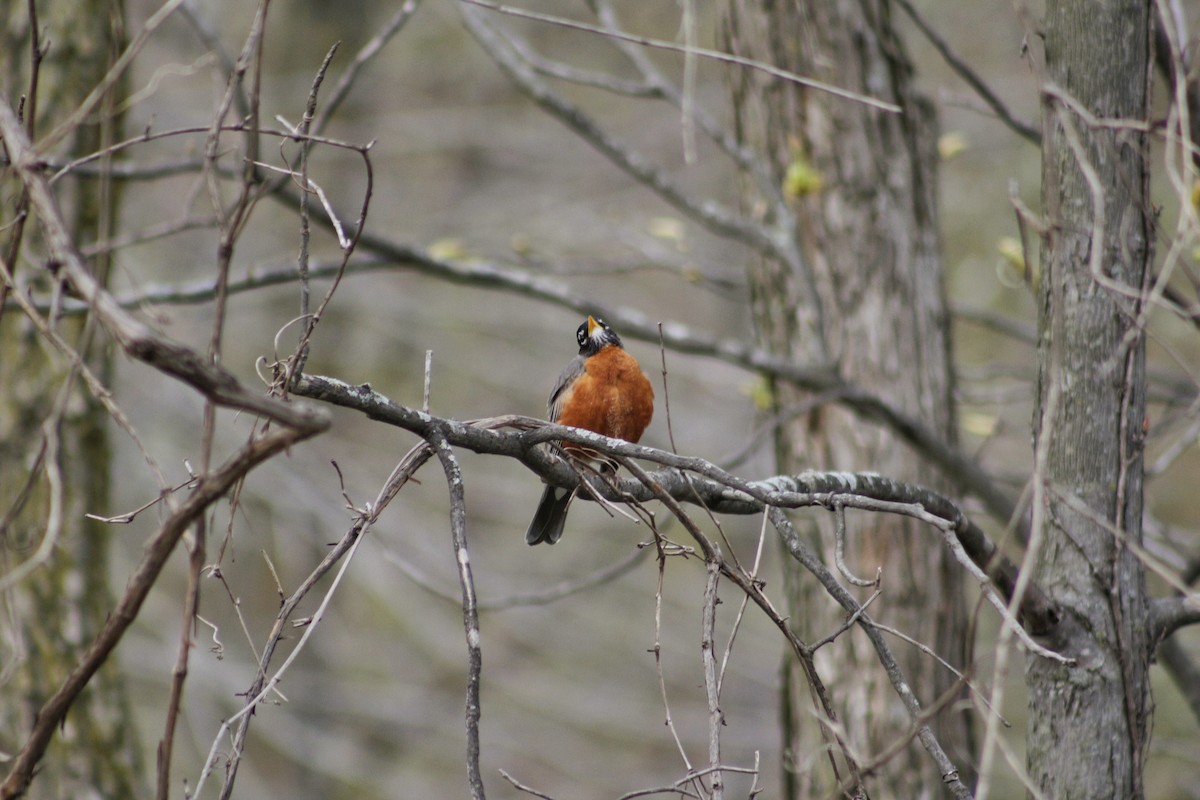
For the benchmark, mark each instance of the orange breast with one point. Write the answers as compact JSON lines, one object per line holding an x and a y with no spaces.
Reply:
{"x":613,"y":397}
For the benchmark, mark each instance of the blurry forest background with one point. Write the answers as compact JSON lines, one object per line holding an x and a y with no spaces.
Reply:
{"x":466,"y":168}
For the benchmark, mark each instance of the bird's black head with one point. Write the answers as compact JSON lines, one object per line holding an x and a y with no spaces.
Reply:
{"x":594,"y":335}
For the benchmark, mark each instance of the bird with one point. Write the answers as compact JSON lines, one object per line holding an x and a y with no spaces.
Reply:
{"x":602,"y":390}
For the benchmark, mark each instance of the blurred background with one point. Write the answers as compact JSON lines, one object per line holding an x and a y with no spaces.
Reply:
{"x":468,"y":168}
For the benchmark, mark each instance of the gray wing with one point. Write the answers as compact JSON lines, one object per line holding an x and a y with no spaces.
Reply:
{"x":560,"y":392}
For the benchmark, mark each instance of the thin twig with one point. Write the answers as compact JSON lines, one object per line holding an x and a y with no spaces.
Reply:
{"x":929,"y":651}
{"x":753,"y":589}
{"x":668,"y":721}
{"x":191,"y":605}
{"x":551,"y":594}
{"x":428,"y":382}
{"x":520,"y":787}
{"x":215,"y":573}
{"x":850,"y":622}
{"x":348,"y":246}
{"x":20,"y":215}
{"x":708,"y":637}
{"x":458,"y":531}
{"x":1004,"y":637}
{"x":130,"y":516}
{"x":51,"y":466}
{"x":364,"y":55}
{"x":737,"y":622}
{"x":839,"y":552}
{"x":305,"y":148}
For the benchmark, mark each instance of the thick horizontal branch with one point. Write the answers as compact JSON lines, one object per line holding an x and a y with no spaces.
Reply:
{"x":691,"y":480}
{"x":1169,"y":614}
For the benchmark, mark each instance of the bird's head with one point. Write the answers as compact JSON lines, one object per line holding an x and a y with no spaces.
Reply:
{"x":594,"y":335}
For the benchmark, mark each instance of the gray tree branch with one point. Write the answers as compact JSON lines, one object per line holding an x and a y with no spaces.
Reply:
{"x":1169,"y":614}
{"x":690,"y":479}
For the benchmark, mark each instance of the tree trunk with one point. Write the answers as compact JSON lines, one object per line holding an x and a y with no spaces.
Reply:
{"x":57,"y":609}
{"x":1087,"y":723}
{"x":862,"y":186}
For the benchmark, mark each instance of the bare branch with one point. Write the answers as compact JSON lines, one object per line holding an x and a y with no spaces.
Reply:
{"x":1169,"y":614}
{"x":839,"y":531}
{"x":708,"y":645}
{"x":958,"y":468}
{"x":960,"y":66}
{"x":565,"y":588}
{"x":716,"y":55}
{"x":929,"y":651}
{"x":721,"y":492}
{"x":458,"y":530}
{"x":305,"y":148}
{"x":93,"y":382}
{"x":204,"y":290}
{"x":191,"y":606}
{"x":520,"y":787}
{"x":753,"y":590}
{"x":367,"y":52}
{"x":668,"y":721}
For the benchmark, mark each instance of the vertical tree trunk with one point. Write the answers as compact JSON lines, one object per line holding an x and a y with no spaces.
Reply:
{"x":1087,"y":723}
{"x":863,"y":186}
{"x":58,"y":609}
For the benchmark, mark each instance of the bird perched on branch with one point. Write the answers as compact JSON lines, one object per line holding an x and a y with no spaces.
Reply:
{"x":602,"y":390}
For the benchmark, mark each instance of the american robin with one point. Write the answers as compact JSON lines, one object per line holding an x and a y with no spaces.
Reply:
{"x":602,"y":390}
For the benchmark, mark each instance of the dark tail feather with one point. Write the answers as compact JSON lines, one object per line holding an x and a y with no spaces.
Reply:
{"x":551,"y":515}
